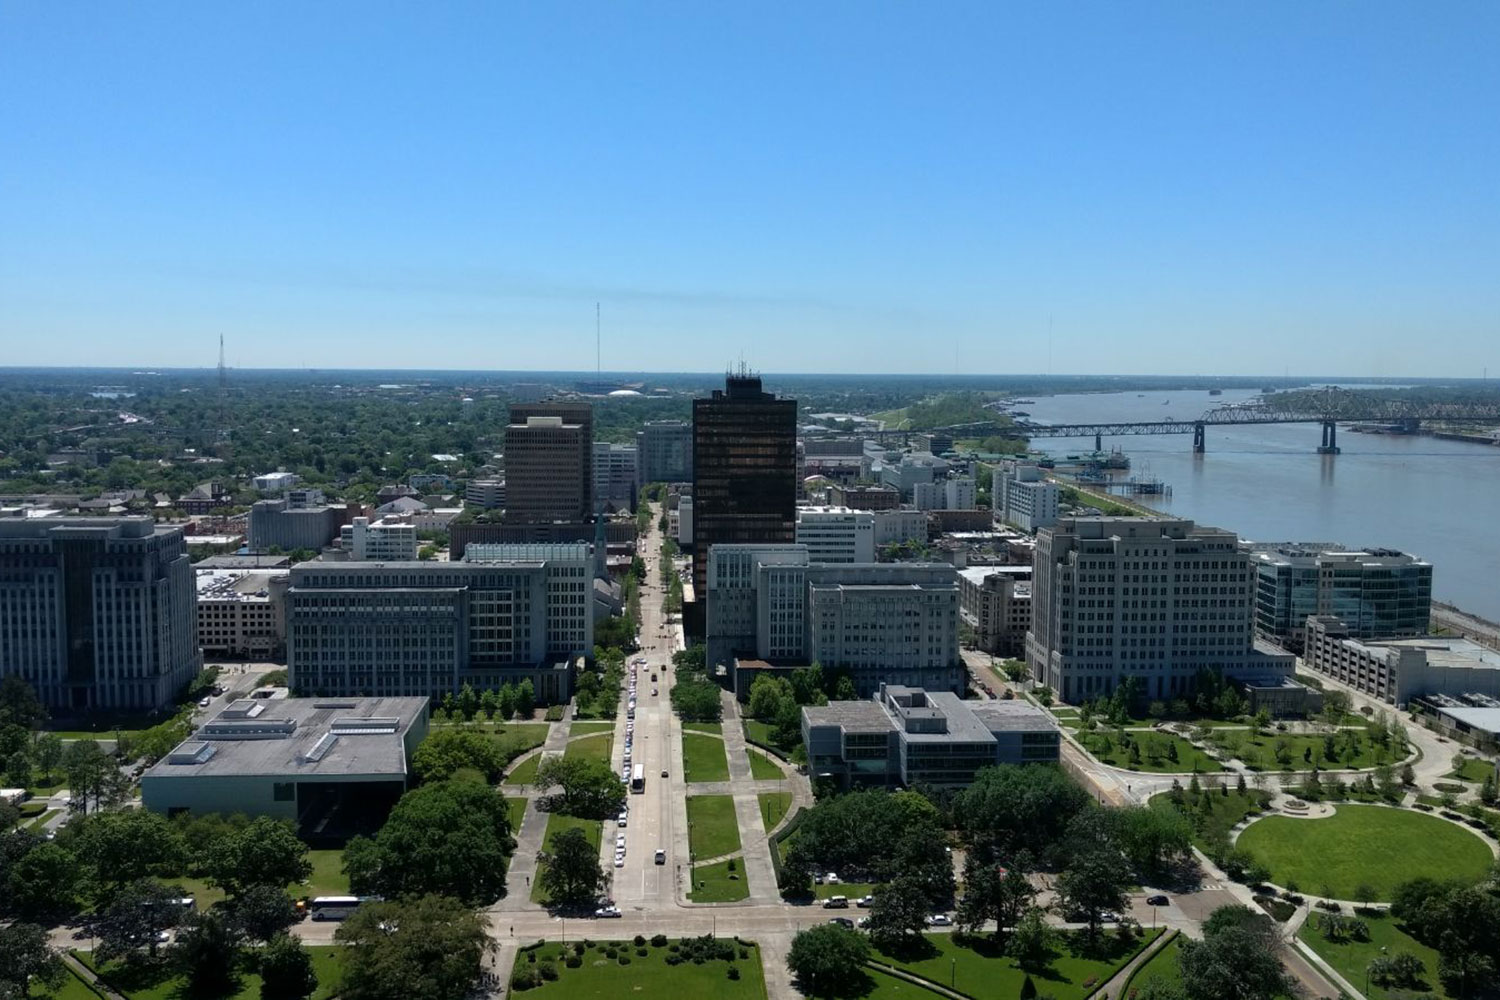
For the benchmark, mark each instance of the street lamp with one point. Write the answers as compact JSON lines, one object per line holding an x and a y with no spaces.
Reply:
{"x":953,"y":973}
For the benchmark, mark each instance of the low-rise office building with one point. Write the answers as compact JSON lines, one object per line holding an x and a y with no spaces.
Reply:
{"x":892,"y":527}
{"x":1376,"y":593}
{"x":995,"y":601}
{"x":276,"y":482}
{"x":911,"y":737}
{"x":615,"y":472}
{"x":865,"y":497}
{"x":327,"y":764}
{"x":837,"y":534}
{"x":1022,"y":496}
{"x":486,"y":493}
{"x":382,"y":541}
{"x":1399,"y":670}
{"x":242,"y":613}
{"x":294,"y":522}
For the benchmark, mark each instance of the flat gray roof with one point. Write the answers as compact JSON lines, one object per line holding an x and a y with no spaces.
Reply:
{"x":1011,"y":715}
{"x":963,"y":725}
{"x":1486,"y":719}
{"x":851,"y":716}
{"x":371,"y":735}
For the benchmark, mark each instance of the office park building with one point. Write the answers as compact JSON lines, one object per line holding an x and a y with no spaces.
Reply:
{"x":425,"y":628}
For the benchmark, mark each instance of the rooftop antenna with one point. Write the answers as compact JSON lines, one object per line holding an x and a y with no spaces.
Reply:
{"x":223,"y":392}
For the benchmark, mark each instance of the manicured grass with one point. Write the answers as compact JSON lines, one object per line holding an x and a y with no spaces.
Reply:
{"x":1225,"y":813}
{"x":761,"y":732}
{"x":72,"y":988}
{"x":715,"y":883}
{"x":773,"y":806}
{"x":1474,"y":769}
{"x":883,"y":986}
{"x":584,"y":728}
{"x":42,"y":820}
{"x":162,"y":982}
{"x":712,"y":828}
{"x":597,"y":747}
{"x":1163,"y":965}
{"x":703,"y":758}
{"x":516,"y":740}
{"x":986,"y":975}
{"x":704,"y":727}
{"x":524,"y":773}
{"x":556,"y":823}
{"x":328,"y":878}
{"x":1352,"y":958}
{"x":1364,"y":845}
{"x":1156,"y":751}
{"x":762,"y":768}
{"x":1259,"y":750}
{"x":516,"y":809}
{"x":853,"y":890}
{"x":600,"y":978}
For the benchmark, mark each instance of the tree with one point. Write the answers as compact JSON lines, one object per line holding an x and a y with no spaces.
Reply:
{"x":267,"y":852}
{"x":489,"y":702}
{"x":697,"y":699}
{"x":1151,"y":837}
{"x":19,"y":705}
{"x":47,"y":752}
{"x":572,"y":875}
{"x":828,"y":960}
{"x":1033,"y":941}
{"x":17,"y":770}
{"x":445,"y":751}
{"x":448,"y":837}
{"x":26,"y":959}
{"x":1236,"y":958}
{"x":135,"y":919}
{"x":262,"y":912}
{"x":807,"y":685}
{"x":844,"y":690}
{"x":525,"y":699}
{"x":898,"y":914}
{"x":993,"y":893}
{"x":507,"y":700}
{"x":1008,"y":807}
{"x":1093,"y":882}
{"x":766,"y":696}
{"x":207,"y":950}
{"x":590,"y":788}
{"x":430,"y":947}
{"x":286,"y":970}
{"x":91,"y":774}
{"x":467,"y":701}
{"x":43,"y":882}
{"x":116,"y":848}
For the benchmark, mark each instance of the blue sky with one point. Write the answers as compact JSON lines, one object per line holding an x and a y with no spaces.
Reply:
{"x":865,"y":187}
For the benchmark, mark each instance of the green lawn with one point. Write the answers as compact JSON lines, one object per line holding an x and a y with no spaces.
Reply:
{"x":703,"y":758}
{"x":988,"y":976}
{"x":1364,"y":844}
{"x":1351,"y":958}
{"x":650,"y":977}
{"x":704,"y":727}
{"x":715,"y":883}
{"x":42,"y":820}
{"x":1474,"y":769}
{"x":162,"y":983}
{"x":883,"y":986}
{"x":773,"y":806}
{"x":762,"y":768}
{"x":597,"y":747}
{"x":584,"y":728}
{"x":328,"y":878}
{"x":524,"y":773}
{"x":72,"y":988}
{"x":712,"y":828}
{"x":1156,"y":753}
{"x":1163,"y":965}
{"x":761,"y":732}
{"x":853,"y":890}
{"x":1225,"y":813}
{"x":516,"y":809}
{"x":1268,"y":750}
{"x":556,"y":823}
{"x":517,"y":739}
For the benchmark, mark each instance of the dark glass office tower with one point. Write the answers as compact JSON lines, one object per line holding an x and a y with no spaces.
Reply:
{"x":744,"y":473}
{"x":549,"y":463}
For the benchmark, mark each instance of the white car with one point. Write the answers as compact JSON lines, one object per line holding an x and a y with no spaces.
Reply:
{"x":939,"y":920}
{"x":864,"y":901}
{"x":205,"y":702}
{"x":619,"y":861}
{"x":831,"y":879}
{"x":619,"y":840}
{"x":608,"y":911}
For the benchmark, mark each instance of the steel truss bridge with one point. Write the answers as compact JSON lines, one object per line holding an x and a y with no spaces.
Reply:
{"x":1328,"y":407}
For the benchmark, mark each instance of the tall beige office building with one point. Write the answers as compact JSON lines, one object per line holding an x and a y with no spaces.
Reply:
{"x":549,"y":463}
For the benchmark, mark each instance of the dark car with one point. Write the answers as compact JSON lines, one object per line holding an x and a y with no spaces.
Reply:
{"x":1157,"y":901}
{"x":842,"y":922}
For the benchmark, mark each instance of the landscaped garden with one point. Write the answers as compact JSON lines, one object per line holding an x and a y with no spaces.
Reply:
{"x":713,"y":830}
{"x":758,"y":731}
{"x":976,"y":967}
{"x":720,"y":882}
{"x":524,"y":773}
{"x":703,"y":758}
{"x":1364,"y":846}
{"x":1383,"y":938}
{"x":1152,"y":752}
{"x":651,"y":968}
{"x":556,"y":823}
{"x":1474,"y":769}
{"x":596,"y":747}
{"x":164,"y":981}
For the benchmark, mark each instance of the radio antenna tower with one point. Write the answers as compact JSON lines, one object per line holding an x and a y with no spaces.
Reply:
{"x":223,"y":393}
{"x":598,"y":355}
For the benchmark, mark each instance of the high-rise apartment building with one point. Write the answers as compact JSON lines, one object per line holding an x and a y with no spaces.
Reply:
{"x":97,"y":613}
{"x":549,"y":463}
{"x":506,"y":613}
{"x":1151,"y":597}
{"x":615,"y":467}
{"x":744,"y":470}
{"x":1375,"y":593}
{"x":837,"y":534}
{"x":666,"y":451}
{"x":1023,"y":496}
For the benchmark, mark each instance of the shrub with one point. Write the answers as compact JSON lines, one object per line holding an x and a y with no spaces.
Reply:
{"x":744,"y":953}
{"x":573,"y":961}
{"x":547,"y":970}
{"x":659,"y":940}
{"x":624,"y":959}
{"x":734,"y":972}
{"x":588,"y":942}
{"x":674,"y":959}
{"x":531,"y":957}
{"x":674,"y":946}
{"x":639,"y":940}
{"x":524,"y":978}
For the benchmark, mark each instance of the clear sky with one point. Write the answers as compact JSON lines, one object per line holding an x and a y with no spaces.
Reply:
{"x":1238,"y":187}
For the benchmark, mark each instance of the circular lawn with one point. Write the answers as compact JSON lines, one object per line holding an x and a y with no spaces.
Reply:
{"x":1364,"y":845}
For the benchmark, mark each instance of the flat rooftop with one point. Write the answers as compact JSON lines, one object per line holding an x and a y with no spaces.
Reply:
{"x":1444,"y":652}
{"x":977,"y":574}
{"x":1011,"y":715}
{"x":298,"y":738}
{"x":1485,"y":719}
{"x":850,"y":716}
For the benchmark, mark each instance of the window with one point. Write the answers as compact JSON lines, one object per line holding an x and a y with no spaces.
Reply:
{"x":284,"y":791}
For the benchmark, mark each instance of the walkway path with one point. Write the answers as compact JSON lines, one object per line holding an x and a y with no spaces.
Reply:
{"x":1116,"y":984}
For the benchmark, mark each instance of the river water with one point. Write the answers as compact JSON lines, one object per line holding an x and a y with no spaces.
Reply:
{"x":1436,"y":499}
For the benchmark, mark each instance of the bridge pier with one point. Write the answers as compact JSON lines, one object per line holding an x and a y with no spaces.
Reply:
{"x":1330,"y":445}
{"x":1098,"y":442}
{"x":1198,"y":435}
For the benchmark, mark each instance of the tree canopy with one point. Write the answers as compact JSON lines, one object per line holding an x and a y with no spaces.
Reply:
{"x":828,"y":960}
{"x":445,"y":751}
{"x":431,"y":947}
{"x":572,"y":875}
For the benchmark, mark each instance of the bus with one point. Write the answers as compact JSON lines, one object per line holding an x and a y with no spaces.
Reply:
{"x":336,"y":907}
{"x":638,"y":780}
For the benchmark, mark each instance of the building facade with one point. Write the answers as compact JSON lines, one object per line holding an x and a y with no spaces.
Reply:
{"x":97,"y":613}
{"x":289,"y":524}
{"x":615,"y":474}
{"x":506,"y":613}
{"x":995,"y":601}
{"x":865,"y":497}
{"x":486,"y":493}
{"x":1022,"y":496}
{"x":665,"y":451}
{"x":837,"y":534}
{"x":744,"y":470}
{"x":1376,"y":593}
{"x":383,"y":541}
{"x":242,"y":613}
{"x":1399,"y":670}
{"x":893,"y":527}
{"x":549,"y":463}
{"x":1151,"y":597}
{"x":276,"y":482}
{"x":912,"y":737}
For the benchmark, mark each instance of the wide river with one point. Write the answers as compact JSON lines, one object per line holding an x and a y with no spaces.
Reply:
{"x":1436,"y":499}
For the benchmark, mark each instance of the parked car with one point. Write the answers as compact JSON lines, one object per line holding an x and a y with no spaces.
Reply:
{"x":608,"y":911}
{"x":939,"y":920}
{"x":864,"y":901}
{"x":842,"y":922}
{"x":661,"y":856}
{"x":1157,"y":900}
{"x":836,"y":903}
